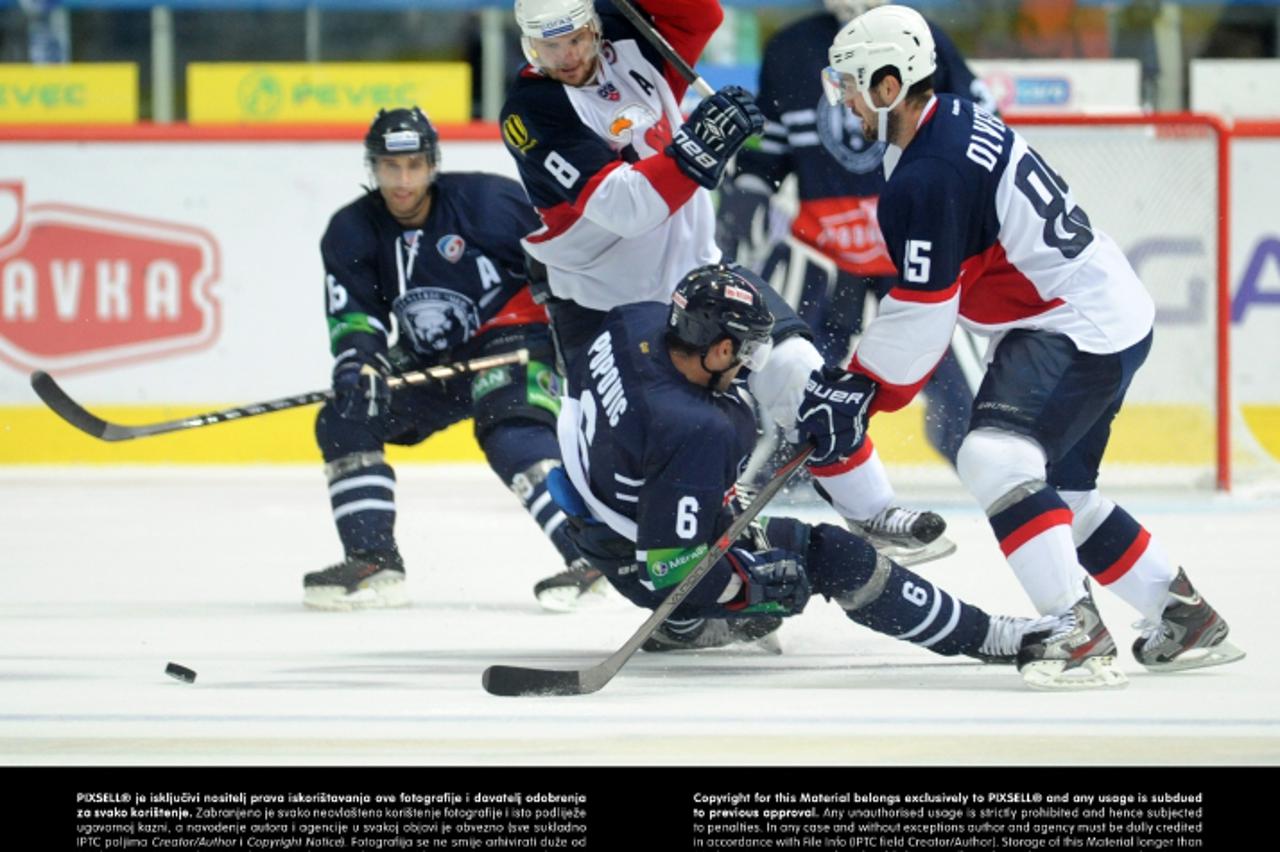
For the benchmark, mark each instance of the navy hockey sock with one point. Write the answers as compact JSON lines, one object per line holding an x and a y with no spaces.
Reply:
{"x":1113,"y":547}
{"x":522,"y":454}
{"x":362,"y":486}
{"x":363,"y":498}
{"x":890,"y":599}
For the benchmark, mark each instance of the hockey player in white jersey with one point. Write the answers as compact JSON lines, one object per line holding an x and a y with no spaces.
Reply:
{"x":621,"y":179}
{"x":983,"y":232}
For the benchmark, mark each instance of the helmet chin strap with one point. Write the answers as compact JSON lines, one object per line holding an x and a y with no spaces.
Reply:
{"x":892,"y":152}
{"x":714,"y":382}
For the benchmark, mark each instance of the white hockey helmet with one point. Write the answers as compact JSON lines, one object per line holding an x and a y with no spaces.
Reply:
{"x":846,"y":10}
{"x":552,"y":18}
{"x":884,"y":37}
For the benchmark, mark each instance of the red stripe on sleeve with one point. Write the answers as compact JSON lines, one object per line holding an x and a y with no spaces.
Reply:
{"x":927,"y":297}
{"x":889,"y":396}
{"x":520,"y":309}
{"x":673,"y":185}
{"x":844,"y":466}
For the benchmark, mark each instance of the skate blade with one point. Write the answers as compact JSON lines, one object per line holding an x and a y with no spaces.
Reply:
{"x":571,"y":598}
{"x":386,"y":595}
{"x":1199,"y":658}
{"x":1093,"y":673}
{"x":908,"y":556}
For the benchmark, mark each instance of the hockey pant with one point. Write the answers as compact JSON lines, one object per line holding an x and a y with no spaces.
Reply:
{"x":514,"y":408}
{"x":1041,"y":425}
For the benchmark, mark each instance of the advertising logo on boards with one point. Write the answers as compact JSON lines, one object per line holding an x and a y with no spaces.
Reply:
{"x":83,"y":289}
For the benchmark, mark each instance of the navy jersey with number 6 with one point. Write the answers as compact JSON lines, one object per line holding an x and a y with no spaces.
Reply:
{"x":983,"y":231}
{"x":654,"y":455}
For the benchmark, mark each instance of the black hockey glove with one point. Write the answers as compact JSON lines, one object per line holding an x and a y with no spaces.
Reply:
{"x":360,"y":391}
{"x":833,"y":414}
{"x":773,"y":581}
{"x":718,"y":126}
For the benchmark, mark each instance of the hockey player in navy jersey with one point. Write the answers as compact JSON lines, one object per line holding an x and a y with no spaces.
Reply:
{"x":834,"y":254}
{"x":653,"y":441}
{"x":438,"y":257}
{"x":984,"y":232}
{"x":620,"y":180}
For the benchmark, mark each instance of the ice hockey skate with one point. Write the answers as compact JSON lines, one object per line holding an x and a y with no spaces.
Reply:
{"x":1075,"y":652}
{"x":372,"y":580}
{"x":905,"y":536}
{"x":760,"y":633}
{"x":1004,"y":638}
{"x":578,"y":585}
{"x":1190,"y":635}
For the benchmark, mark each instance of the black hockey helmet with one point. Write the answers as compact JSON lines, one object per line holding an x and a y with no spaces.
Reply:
{"x":715,"y":302}
{"x":402,"y":131}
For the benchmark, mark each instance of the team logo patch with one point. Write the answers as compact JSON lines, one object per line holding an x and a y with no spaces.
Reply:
{"x":517,"y":135}
{"x":739,"y":294}
{"x":557,"y":27}
{"x":630,"y":123}
{"x":609,"y":92}
{"x":402,"y":141}
{"x":435,"y":319}
{"x":840,"y":132}
{"x":451,"y":247}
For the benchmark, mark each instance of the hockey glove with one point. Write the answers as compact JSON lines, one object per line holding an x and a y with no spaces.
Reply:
{"x":833,"y":414}
{"x":718,"y":126}
{"x":360,"y":391}
{"x":773,"y":581}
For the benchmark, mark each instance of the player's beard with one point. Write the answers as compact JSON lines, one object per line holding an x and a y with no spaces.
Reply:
{"x":870,"y":128}
{"x":409,"y":210}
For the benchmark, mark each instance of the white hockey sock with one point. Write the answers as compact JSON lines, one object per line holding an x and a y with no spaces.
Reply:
{"x":861,"y":492}
{"x":1120,"y":553}
{"x":1145,"y":586}
{"x":1046,"y":567}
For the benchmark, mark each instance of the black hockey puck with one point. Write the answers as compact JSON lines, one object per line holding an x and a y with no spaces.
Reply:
{"x":181,"y":673}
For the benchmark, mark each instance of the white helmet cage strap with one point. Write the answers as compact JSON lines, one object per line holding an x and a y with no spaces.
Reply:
{"x":552,"y":18}
{"x":885,"y":37}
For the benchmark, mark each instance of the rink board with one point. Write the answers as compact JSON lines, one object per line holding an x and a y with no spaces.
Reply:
{"x":168,"y":276}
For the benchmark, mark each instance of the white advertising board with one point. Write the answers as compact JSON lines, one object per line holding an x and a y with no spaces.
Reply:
{"x":1062,"y":86}
{"x":1236,"y":88}
{"x":174,"y":271}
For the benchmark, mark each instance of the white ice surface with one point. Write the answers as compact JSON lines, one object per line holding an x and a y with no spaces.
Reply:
{"x":110,"y":573}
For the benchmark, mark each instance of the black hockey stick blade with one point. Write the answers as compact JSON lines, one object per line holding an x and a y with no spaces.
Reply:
{"x":67,"y":408}
{"x":520,"y":681}
{"x":514,"y":680}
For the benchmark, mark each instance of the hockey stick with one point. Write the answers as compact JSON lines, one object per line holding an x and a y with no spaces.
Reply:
{"x":517,"y":680}
{"x":651,"y":35}
{"x":76,"y":414}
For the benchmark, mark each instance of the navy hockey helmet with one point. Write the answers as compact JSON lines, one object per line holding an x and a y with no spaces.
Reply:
{"x":715,"y":302}
{"x":402,"y":131}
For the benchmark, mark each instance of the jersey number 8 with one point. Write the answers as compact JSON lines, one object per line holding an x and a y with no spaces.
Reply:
{"x":561,"y":169}
{"x":1069,"y":231}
